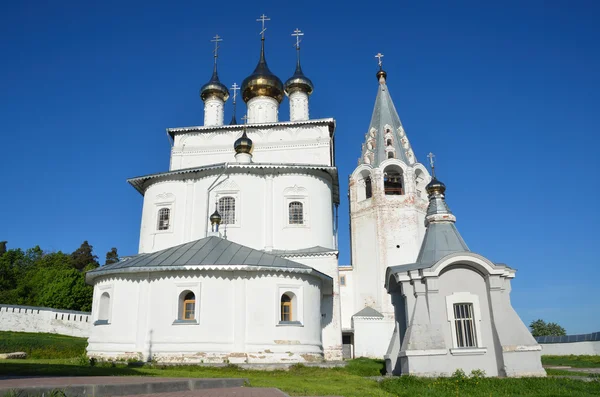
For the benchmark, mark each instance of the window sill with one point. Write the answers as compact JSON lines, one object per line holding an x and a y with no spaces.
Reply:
{"x":101,"y":322}
{"x":468,"y":351}
{"x":290,"y":324}
{"x":185,"y":322}
{"x":296,"y":225}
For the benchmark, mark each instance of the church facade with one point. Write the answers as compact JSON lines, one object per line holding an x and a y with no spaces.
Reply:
{"x":238,"y":253}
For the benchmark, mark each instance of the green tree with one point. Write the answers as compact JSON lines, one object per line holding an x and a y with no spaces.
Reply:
{"x":84,"y":256}
{"x":541,"y":328}
{"x":3,"y":247}
{"x":112,"y":256}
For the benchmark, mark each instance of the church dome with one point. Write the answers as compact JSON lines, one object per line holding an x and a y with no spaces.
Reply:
{"x":381,"y":73}
{"x":298,"y":82}
{"x":435,"y":186}
{"x":215,"y":217}
{"x":243,"y":144}
{"x":262,"y":82}
{"x":214,"y":88}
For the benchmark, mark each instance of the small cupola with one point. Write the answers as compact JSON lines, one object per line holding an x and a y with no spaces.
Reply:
{"x":214,"y":94}
{"x":243,"y":147}
{"x":298,"y":87}
{"x":215,"y":220}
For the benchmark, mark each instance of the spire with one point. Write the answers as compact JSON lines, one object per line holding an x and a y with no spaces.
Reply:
{"x":235,"y":89}
{"x":298,"y":81}
{"x":442,"y":237}
{"x":386,"y":137}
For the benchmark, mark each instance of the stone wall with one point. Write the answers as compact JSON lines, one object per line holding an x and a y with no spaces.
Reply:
{"x":585,"y":344}
{"x":43,"y":319}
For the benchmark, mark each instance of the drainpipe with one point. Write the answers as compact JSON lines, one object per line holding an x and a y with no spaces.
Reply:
{"x":210,"y":188}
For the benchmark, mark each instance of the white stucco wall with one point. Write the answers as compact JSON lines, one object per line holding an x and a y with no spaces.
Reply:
{"x":573,"y":348}
{"x":42,"y":319}
{"x":347,"y":296}
{"x":237,"y":317}
{"x":262,"y":203}
{"x":290,"y":144}
{"x":372,"y":336}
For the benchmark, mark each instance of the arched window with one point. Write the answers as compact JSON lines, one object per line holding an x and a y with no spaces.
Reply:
{"x":227,"y":210}
{"x":103,"y":308}
{"x":392,"y":181}
{"x":390,"y":155}
{"x":164,"y":215}
{"x":187,"y":306}
{"x":368,"y":187}
{"x":389,"y":142}
{"x":286,"y":308}
{"x":296,"y":213}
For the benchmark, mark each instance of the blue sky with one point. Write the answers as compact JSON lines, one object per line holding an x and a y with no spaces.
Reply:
{"x":506,"y":94}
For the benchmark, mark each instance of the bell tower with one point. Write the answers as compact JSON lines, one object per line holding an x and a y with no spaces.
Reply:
{"x":388,"y":204}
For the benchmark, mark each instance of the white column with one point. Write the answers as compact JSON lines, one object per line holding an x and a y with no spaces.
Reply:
{"x":213,"y":111}
{"x":269,"y":213}
{"x":298,"y":106}
{"x":262,"y":109}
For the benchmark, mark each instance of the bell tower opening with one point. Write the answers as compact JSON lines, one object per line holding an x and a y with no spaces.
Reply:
{"x":392,"y":181}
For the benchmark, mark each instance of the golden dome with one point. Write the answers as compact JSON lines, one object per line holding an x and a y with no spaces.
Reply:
{"x":243,"y":144}
{"x":435,"y":186}
{"x":215,"y":217}
{"x":262,"y":82}
{"x":381,"y":73}
{"x":298,"y":82}
{"x":214,"y":88}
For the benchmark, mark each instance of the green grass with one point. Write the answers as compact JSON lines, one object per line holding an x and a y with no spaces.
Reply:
{"x":573,"y":361}
{"x":55,"y":355}
{"x":564,"y":372}
{"x":309,"y":381}
{"x":38,"y":345}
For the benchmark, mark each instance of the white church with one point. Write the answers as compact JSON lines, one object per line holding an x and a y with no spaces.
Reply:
{"x":238,"y":253}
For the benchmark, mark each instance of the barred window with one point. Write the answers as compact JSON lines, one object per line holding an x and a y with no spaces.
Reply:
{"x":227,"y":210}
{"x":164,"y":215}
{"x":296,"y":213}
{"x":464,"y":325}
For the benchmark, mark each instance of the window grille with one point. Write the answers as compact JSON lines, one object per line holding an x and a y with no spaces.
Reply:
{"x":296,"y":213}
{"x":227,"y":210}
{"x":163,"y":218}
{"x":286,"y":308}
{"x":464,"y":324}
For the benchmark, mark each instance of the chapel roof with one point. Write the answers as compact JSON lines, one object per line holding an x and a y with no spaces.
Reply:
{"x":385,"y":124}
{"x":210,"y":253}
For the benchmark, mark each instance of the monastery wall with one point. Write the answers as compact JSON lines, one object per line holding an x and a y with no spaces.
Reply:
{"x":43,"y":319}
{"x":586,"y":344}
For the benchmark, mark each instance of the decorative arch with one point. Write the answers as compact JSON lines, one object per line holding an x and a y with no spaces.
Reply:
{"x":393,"y":180}
{"x":469,"y":259}
{"x":364,"y":184}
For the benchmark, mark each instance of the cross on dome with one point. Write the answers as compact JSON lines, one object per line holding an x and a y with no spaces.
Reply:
{"x":262,"y":19}
{"x":235,"y":89}
{"x":379,"y":56}
{"x":297,"y":33}
{"x":217,"y":39}
{"x":431,"y":158}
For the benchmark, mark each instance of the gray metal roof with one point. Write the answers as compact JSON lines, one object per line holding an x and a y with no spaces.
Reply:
{"x":441,"y":238}
{"x":139,"y":183}
{"x":208,"y":252}
{"x":368,"y":312}
{"x":312,"y":251}
{"x":182,"y":130}
{"x":384,"y":113}
{"x":593,"y":337}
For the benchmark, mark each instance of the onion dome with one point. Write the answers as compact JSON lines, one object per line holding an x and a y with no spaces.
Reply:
{"x":214,"y":88}
{"x":262,"y":82}
{"x":215,"y":218}
{"x":243,"y":144}
{"x":435,"y":186}
{"x":298,"y":82}
{"x":381,"y":73}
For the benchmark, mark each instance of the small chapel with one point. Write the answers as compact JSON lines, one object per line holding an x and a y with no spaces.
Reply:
{"x":238,"y":251}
